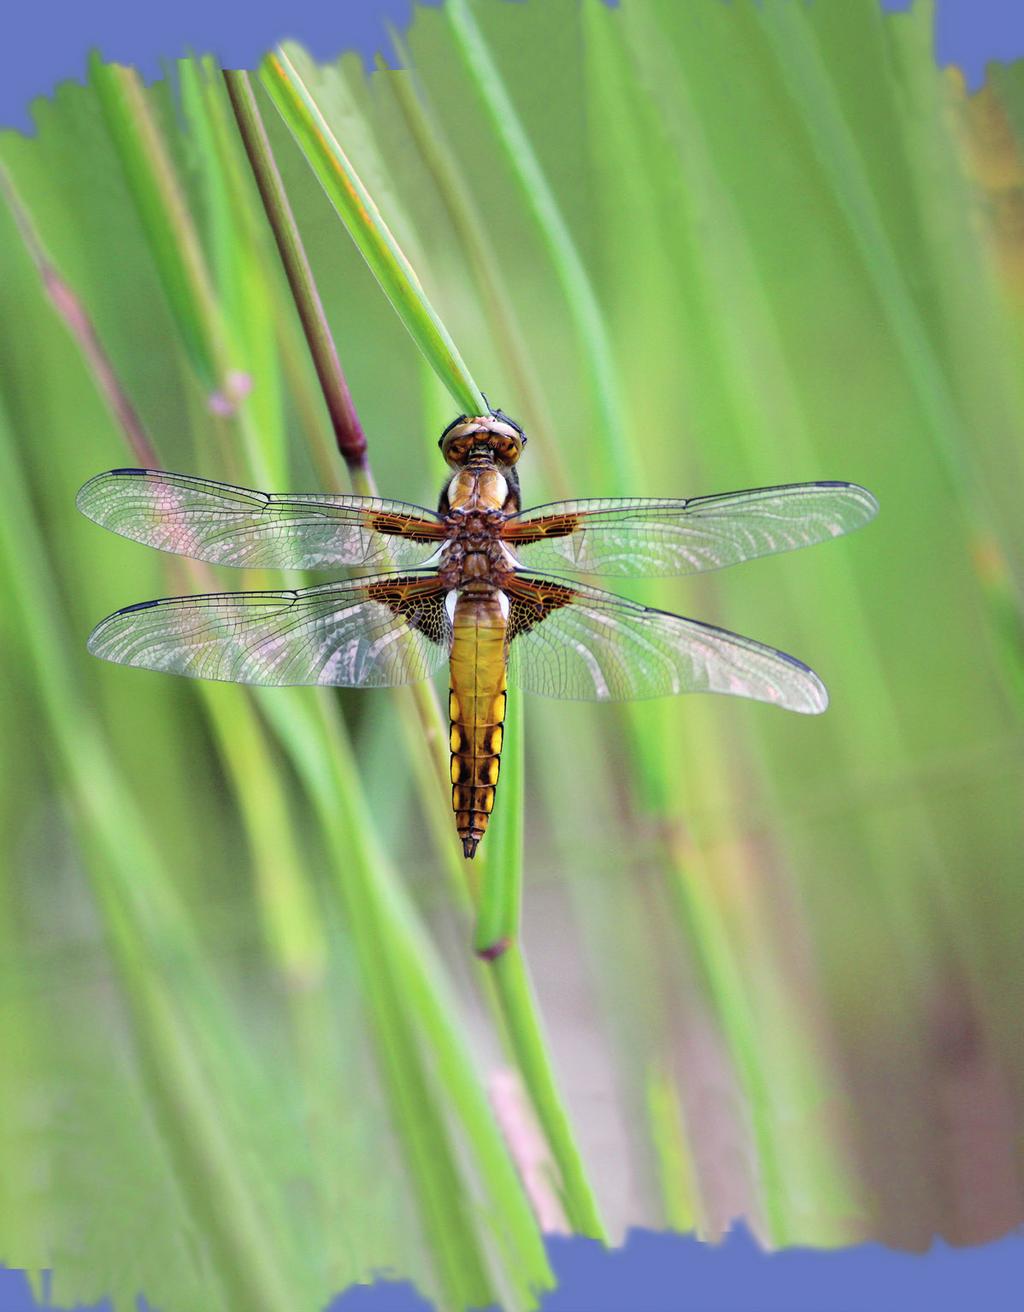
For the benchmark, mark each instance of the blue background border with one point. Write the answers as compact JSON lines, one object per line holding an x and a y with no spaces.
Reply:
{"x":46,"y":43}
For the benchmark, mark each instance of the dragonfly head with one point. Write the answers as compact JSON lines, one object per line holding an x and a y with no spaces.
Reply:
{"x":493,"y":437}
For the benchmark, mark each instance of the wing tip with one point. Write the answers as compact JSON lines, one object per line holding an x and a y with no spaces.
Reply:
{"x":95,"y":642}
{"x":871,"y":501}
{"x":83,"y":496}
{"x":814,"y":700}
{"x":818,"y":699}
{"x":815,"y":696}
{"x":866,"y":501}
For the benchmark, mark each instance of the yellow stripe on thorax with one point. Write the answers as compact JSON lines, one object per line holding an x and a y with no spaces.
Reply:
{"x":477,"y":711}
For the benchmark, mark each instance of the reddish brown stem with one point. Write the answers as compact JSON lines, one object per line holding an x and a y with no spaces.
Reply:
{"x":348,"y":431}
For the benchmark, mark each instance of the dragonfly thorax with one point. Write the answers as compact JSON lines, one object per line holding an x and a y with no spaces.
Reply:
{"x":474,"y":556}
{"x":474,"y":525}
{"x":477,"y":487}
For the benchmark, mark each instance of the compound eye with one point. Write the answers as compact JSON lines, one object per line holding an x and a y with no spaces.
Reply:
{"x":455,"y":448}
{"x":511,"y":450}
{"x":445,"y":435}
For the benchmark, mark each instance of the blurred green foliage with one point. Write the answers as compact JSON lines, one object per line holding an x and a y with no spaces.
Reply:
{"x":692,"y":248}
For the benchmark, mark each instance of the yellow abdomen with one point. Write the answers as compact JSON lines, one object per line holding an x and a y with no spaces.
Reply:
{"x":476,"y":708}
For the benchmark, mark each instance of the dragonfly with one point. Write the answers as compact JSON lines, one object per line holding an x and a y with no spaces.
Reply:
{"x":481,"y":585}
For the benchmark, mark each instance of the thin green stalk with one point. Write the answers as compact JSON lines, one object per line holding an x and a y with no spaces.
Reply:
{"x":788,"y":35}
{"x":163,"y":208}
{"x":498,"y":910}
{"x":581,"y":299}
{"x":456,"y":1252}
{"x":295,"y":937}
{"x":530,"y":1046}
{"x":27,"y":1037}
{"x":235,"y":255}
{"x":254,"y":299}
{"x":473,"y":239}
{"x":718,"y":957}
{"x":359,"y":213}
{"x":680,"y":1195}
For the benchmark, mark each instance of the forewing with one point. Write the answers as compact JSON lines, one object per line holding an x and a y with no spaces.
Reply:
{"x":585,"y":645}
{"x":228,"y":525}
{"x":370,"y":633}
{"x":658,"y":538}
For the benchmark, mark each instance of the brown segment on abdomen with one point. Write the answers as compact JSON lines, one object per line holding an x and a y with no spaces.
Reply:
{"x":476,"y":708}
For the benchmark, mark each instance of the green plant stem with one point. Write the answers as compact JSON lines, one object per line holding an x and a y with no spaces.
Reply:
{"x":162,"y":206}
{"x":500,"y":898}
{"x":530,"y":1046}
{"x":581,"y":299}
{"x":680,"y":1198}
{"x":374,"y":239}
{"x":473,"y":239}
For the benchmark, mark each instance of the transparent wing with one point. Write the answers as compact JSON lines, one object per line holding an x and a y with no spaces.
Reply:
{"x":581,"y":644}
{"x":228,"y":525}
{"x":371,"y":633}
{"x":658,"y":538}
